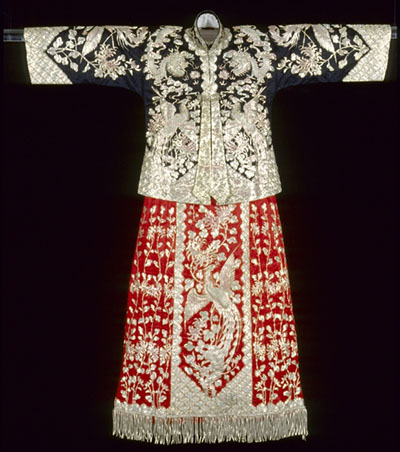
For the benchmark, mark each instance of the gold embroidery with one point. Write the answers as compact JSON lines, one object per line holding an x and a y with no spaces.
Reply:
{"x":203,"y":92}
{"x":193,"y":416}
{"x":212,"y":335}
{"x":242,"y":62}
{"x":106,"y":59}
{"x":177,"y":62}
{"x":275,"y":347}
{"x":211,"y":176}
{"x":156,"y":63}
{"x":249,"y":154}
{"x":332,"y":38}
{"x":280,"y":421}
{"x":371,"y":67}
{"x":202,"y":184}
{"x":148,"y":345}
{"x":172,"y":132}
{"x":208,"y":130}
{"x":42,"y":69}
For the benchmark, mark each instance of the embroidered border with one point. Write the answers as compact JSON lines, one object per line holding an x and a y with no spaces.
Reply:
{"x":146,"y":367}
{"x":372,"y":66}
{"x":42,"y":68}
{"x":275,"y":357}
{"x":193,"y":416}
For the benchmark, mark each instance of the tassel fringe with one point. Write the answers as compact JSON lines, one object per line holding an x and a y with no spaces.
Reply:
{"x":212,"y":429}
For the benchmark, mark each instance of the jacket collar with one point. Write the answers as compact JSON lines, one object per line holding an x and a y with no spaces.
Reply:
{"x":197,"y":41}
{"x":207,"y":18}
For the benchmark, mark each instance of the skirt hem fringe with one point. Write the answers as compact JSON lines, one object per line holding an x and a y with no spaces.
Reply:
{"x":209,"y":429}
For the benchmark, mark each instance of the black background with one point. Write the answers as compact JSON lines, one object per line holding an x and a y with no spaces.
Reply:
{"x":70,"y":166}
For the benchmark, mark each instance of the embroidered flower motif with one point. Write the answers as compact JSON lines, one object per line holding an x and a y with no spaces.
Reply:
{"x":107,"y":65}
{"x":155,"y":124}
{"x":165,"y":353}
{"x":147,"y":356}
{"x":259,"y":350}
{"x":140,"y":350}
{"x":107,"y":62}
{"x":276,"y":374}
{"x":310,"y":64}
{"x":152,"y":352}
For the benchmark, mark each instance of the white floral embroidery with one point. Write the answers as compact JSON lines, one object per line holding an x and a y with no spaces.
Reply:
{"x":84,"y":43}
{"x":148,"y":337}
{"x":327,"y":44}
{"x":275,"y":345}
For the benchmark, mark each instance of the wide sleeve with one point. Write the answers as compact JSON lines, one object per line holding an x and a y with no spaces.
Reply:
{"x":308,"y":53}
{"x":106,"y":55}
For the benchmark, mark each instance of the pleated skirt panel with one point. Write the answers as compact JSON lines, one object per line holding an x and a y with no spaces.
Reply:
{"x":210,"y":347}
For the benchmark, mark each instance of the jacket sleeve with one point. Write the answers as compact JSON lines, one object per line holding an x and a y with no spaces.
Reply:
{"x":308,"y":53}
{"x":107,"y":55}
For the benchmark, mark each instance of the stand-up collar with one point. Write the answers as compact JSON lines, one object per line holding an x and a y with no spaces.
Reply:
{"x":202,"y":16}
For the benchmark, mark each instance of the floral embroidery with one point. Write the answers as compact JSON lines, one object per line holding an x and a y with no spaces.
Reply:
{"x":106,"y":59}
{"x":200,"y":98}
{"x":145,"y":377}
{"x":275,"y":357}
{"x":327,"y":44}
{"x":211,"y":329}
{"x":174,"y":117}
{"x":210,"y":345}
{"x":243,"y":109}
{"x":244,"y":135}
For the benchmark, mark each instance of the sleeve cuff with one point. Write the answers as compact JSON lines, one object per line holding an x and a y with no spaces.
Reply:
{"x":372,"y":67}
{"x":42,"y":69}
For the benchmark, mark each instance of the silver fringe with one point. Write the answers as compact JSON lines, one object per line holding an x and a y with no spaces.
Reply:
{"x":213,"y":429}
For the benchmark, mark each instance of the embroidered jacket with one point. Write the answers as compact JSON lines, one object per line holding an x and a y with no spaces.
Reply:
{"x":208,"y":105}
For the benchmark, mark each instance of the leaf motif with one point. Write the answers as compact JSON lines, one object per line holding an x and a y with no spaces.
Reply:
{"x":92,"y":40}
{"x":323,"y":37}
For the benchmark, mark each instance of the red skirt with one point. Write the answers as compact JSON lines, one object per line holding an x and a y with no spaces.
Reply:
{"x":210,"y":348}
